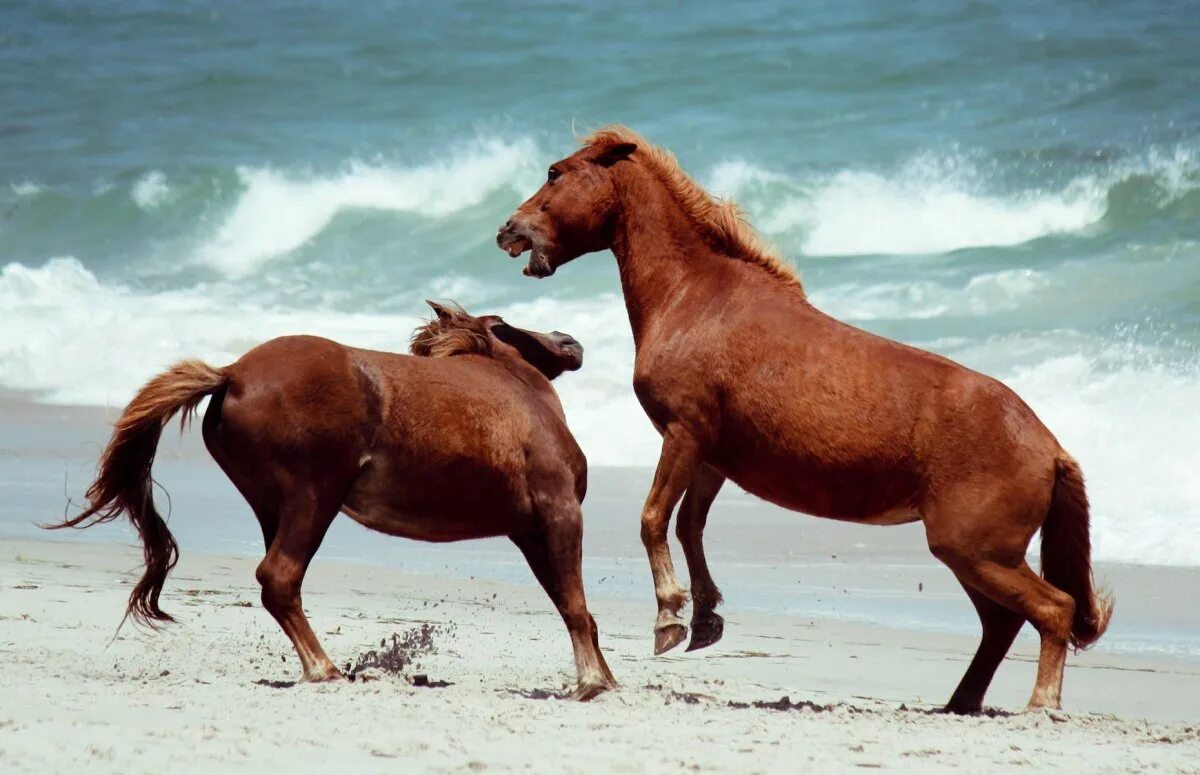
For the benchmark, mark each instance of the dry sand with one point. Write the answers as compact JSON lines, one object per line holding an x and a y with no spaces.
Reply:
{"x":215,"y":692}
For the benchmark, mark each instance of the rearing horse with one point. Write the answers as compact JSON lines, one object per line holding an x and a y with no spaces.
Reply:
{"x":746,"y":380}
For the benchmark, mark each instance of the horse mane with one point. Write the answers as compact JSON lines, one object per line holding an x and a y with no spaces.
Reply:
{"x":442,"y":338}
{"x":723,"y":222}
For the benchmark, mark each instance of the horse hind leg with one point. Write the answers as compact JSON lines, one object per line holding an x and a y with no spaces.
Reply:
{"x":707,"y":624}
{"x":1000,"y":628}
{"x":302,"y":524}
{"x":555,"y":555}
{"x":988,"y":554}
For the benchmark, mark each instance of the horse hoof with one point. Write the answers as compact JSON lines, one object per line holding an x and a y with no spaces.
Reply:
{"x":588,"y":691}
{"x":706,"y":630}
{"x":1053,"y":711}
{"x":332,"y":674}
{"x":959,"y":708}
{"x":667,"y":638}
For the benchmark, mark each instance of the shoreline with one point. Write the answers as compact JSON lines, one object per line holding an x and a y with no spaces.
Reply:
{"x":218,"y":688}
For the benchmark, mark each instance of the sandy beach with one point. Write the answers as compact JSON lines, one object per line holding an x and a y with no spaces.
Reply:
{"x":216,"y":691}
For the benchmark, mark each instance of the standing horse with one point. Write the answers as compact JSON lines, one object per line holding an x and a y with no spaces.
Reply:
{"x":468,"y":441}
{"x":746,"y":380}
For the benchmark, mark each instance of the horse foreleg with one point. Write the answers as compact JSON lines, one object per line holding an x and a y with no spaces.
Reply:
{"x":302,"y":526}
{"x":676,"y":466}
{"x":707,"y":624}
{"x":555,"y":555}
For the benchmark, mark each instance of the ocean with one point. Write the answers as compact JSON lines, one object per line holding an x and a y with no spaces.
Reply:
{"x":1015,"y":185}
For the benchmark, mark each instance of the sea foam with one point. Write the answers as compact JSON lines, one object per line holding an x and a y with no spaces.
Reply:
{"x":25,"y":188}
{"x":277,"y":212}
{"x":150,"y":190}
{"x":933,"y":203}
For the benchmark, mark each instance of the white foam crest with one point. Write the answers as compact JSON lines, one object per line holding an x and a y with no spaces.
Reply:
{"x":933,"y":204}
{"x":1134,"y":431}
{"x":734,"y":178}
{"x":929,"y":209}
{"x":279,"y":212}
{"x":1177,"y":170}
{"x":72,"y":339}
{"x":150,"y":190}
{"x":26,"y":188}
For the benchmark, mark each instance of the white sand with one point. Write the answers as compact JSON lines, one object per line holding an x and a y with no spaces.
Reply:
{"x":190,"y":698}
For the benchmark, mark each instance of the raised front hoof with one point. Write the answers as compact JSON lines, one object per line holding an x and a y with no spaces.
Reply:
{"x":707,"y":629}
{"x":587,"y":691}
{"x":667,"y":638}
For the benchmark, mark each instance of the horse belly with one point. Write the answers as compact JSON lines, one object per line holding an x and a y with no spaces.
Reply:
{"x":866,"y":492}
{"x":418,"y":527}
{"x":442,"y":510}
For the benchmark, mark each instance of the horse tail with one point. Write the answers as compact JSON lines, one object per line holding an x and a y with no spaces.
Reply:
{"x":124,"y":484}
{"x":1066,"y":554}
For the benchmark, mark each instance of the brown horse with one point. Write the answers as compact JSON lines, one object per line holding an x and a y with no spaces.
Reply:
{"x":468,"y":441}
{"x":746,"y":380}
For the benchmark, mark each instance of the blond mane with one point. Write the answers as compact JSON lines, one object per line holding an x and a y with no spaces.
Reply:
{"x":443,"y":338}
{"x":721,"y":219}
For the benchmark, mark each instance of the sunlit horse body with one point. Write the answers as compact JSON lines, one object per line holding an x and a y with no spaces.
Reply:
{"x":468,"y":441}
{"x":746,"y":380}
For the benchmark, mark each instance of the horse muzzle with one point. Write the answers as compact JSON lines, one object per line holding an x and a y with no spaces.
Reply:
{"x":512,"y":239}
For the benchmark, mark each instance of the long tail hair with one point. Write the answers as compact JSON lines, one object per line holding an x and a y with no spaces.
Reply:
{"x":124,"y":484}
{"x":1067,"y":551}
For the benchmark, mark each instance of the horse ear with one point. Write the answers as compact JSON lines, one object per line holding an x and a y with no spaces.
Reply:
{"x":443,"y":313}
{"x":611,"y":154}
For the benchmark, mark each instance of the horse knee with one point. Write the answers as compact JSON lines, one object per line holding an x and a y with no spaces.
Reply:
{"x":280,"y":585}
{"x":654,"y":530}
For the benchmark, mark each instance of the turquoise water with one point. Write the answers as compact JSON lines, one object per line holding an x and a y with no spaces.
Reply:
{"x":1016,"y":185}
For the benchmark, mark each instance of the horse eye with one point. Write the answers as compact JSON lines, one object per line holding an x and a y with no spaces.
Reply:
{"x":552,"y":174}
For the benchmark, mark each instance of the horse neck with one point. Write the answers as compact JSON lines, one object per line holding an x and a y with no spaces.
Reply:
{"x":528,"y":375}
{"x":659,"y":251}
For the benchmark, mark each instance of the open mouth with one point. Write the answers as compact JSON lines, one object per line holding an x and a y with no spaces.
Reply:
{"x":515,"y":244}
{"x":539,"y":265}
